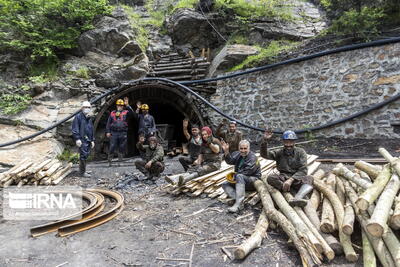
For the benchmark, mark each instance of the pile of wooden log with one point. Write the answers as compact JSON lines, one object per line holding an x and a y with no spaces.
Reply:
{"x":324,"y":228}
{"x":27,"y":172}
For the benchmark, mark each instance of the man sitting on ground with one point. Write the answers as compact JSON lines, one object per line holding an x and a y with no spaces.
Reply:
{"x":153,"y":155}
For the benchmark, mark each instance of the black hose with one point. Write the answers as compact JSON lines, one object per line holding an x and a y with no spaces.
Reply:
{"x":290,"y":61}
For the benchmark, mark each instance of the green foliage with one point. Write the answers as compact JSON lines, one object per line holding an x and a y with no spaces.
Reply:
{"x":82,"y":72}
{"x":11,"y":104}
{"x":68,"y":155}
{"x":265,"y":54}
{"x":138,"y":25}
{"x":364,"y":23}
{"x":44,"y":71}
{"x":41,"y":28}
{"x":238,"y":39}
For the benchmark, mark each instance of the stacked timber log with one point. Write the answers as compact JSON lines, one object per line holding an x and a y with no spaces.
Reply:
{"x":27,"y":172}
{"x":182,"y":68}
{"x":364,"y":192}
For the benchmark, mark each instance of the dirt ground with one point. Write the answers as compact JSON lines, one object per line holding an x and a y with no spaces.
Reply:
{"x":156,"y":225}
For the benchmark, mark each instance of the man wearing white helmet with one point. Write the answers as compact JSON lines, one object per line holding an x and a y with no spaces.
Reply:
{"x":291,"y":163}
{"x":82,"y":132}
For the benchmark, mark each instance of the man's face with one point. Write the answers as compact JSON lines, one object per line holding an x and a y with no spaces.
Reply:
{"x":288,"y":144}
{"x":244,"y":150}
{"x":232,"y":127}
{"x":152,"y":144}
{"x":195,"y":131}
{"x":120,"y":108}
{"x":205,"y":135}
{"x":145,"y":111}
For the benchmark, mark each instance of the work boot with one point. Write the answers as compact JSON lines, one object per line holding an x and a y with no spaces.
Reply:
{"x":109,"y":158}
{"x":184,"y":179}
{"x":229,"y":190}
{"x":240,"y":194}
{"x":299,"y":199}
{"x":82,"y":169}
{"x":120,"y":157}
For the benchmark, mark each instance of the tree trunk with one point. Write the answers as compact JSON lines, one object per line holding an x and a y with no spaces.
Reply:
{"x":328,"y":215}
{"x":349,"y":217}
{"x":377,"y":243}
{"x":368,"y":168}
{"x":339,"y":213}
{"x":274,"y":215}
{"x":254,"y":240}
{"x":369,"y":259}
{"x":395,"y":219}
{"x":372,"y":193}
{"x":378,"y":222}
{"x":342,"y":171}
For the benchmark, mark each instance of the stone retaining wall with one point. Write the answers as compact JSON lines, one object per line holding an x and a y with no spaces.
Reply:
{"x":319,"y":91}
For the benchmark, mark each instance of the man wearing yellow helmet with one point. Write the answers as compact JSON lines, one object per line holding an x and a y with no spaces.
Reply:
{"x":247,"y":171}
{"x":147,"y":125}
{"x":117,"y":128}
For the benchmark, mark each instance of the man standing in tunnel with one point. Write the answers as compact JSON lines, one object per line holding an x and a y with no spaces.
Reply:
{"x":153,"y":156}
{"x":232,"y":136}
{"x":291,"y":163}
{"x":147,"y":124}
{"x":82,"y":132}
{"x":194,"y":146}
{"x":117,"y":128}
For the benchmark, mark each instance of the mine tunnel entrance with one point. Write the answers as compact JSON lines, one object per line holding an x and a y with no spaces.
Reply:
{"x":168,"y":105}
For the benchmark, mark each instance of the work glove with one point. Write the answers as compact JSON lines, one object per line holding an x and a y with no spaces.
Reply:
{"x":92,"y":144}
{"x":78,"y":143}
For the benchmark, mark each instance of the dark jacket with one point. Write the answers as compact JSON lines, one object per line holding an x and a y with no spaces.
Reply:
{"x":154,"y":155}
{"x":233,"y":139}
{"x":147,"y":124}
{"x":119,"y":123}
{"x":248,"y":165}
{"x":82,"y":128}
{"x":194,"y":148}
{"x":291,"y":165}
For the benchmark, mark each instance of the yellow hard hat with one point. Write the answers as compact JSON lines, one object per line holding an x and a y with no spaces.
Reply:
{"x":144,"y":106}
{"x":120,"y":102}
{"x":230,"y":177}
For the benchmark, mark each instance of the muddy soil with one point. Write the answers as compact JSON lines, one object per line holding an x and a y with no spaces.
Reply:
{"x":153,"y":225}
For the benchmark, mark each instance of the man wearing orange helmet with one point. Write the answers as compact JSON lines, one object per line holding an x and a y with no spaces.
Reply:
{"x":117,"y":128}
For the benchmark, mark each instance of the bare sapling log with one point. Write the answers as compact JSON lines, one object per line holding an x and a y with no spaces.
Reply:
{"x":344,"y":172}
{"x":378,"y":222}
{"x":4,"y":176}
{"x":340,"y":192}
{"x":325,"y":248}
{"x":395,"y":219}
{"x":348,"y":220}
{"x":368,"y":168}
{"x":328,"y":215}
{"x":339,"y":213}
{"x":377,"y":243}
{"x":274,"y":215}
{"x":369,"y":259}
{"x":255,"y":239}
{"x":372,"y":193}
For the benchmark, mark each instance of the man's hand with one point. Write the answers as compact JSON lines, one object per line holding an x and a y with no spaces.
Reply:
{"x":126,"y":101}
{"x":138,"y":104}
{"x":196,"y":162}
{"x":141,"y":139}
{"x":268,"y":134}
{"x":225,"y":146}
{"x":92,"y":143}
{"x":148,"y":165}
{"x":209,"y":140}
{"x":185,"y":123}
{"x":108,"y":135}
{"x":287,"y":184}
{"x":78,"y":143}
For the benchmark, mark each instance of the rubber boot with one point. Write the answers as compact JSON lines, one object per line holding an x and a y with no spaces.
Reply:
{"x":240,"y":194}
{"x":82,"y":169}
{"x":229,"y":190}
{"x":109,"y":160}
{"x":299,"y":199}
{"x":184,"y":179}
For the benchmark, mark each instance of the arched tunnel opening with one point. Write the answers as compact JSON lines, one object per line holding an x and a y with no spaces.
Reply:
{"x":168,"y":105}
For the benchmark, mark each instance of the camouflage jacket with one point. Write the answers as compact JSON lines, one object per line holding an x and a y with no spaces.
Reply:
{"x":154,"y":155}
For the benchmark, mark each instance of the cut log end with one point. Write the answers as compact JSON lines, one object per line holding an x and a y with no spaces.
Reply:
{"x":347,"y":229}
{"x":375,"y":229}
{"x":352,"y":257}
{"x":362,"y":204}
{"x":327,"y":228}
{"x":239,"y":254}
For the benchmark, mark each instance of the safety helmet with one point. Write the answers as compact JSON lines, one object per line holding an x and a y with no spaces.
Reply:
{"x":120,"y":102}
{"x":86,"y":104}
{"x":230,"y":177}
{"x":289,"y":135}
{"x":144,"y":107}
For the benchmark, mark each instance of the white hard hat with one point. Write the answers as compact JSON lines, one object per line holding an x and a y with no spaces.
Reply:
{"x":86,"y":104}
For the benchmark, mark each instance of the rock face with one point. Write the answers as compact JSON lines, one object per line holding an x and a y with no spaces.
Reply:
{"x":230,"y":56}
{"x":39,"y":148}
{"x":318,"y":91}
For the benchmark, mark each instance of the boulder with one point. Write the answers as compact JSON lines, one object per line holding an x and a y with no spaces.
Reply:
{"x":230,"y":56}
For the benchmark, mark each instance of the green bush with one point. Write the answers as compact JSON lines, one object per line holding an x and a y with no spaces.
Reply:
{"x":82,"y":72}
{"x":11,"y":104}
{"x":41,"y":28}
{"x":68,"y":155}
{"x":138,"y":25}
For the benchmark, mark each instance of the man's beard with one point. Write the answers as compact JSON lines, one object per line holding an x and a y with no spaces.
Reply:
{"x":288,"y":150}
{"x":153,"y":146}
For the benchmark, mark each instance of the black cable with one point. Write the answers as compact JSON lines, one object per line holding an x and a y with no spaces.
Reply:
{"x":182,"y":85}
